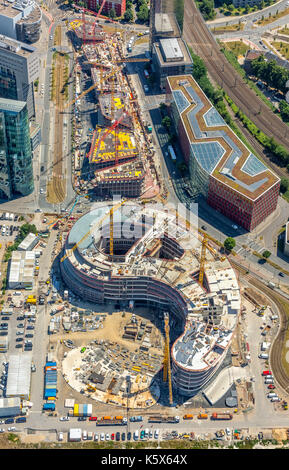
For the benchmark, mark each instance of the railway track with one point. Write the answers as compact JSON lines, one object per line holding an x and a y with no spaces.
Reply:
{"x":276,"y":365}
{"x":203,"y":43}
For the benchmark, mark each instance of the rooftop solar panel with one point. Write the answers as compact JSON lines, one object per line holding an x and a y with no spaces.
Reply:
{"x":180,"y":100}
{"x":208,"y":154}
{"x":212,"y":118}
{"x":253,"y":166}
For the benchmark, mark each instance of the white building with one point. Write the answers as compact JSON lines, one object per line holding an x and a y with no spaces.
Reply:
{"x":19,"y":375}
{"x":29,"y":242}
{"x":21,"y":272}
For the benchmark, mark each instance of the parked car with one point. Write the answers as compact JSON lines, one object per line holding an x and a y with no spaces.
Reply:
{"x":117,"y":436}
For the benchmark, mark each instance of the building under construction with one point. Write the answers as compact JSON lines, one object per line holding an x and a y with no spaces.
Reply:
{"x":163,"y":279}
{"x":112,"y":107}
{"x":127,"y":180}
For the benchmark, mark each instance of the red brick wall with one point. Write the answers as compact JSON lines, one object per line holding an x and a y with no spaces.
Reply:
{"x":118,"y":5}
{"x":241,"y":210}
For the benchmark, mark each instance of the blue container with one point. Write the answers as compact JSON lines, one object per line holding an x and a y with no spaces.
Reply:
{"x":49,"y":406}
{"x":50,"y":364}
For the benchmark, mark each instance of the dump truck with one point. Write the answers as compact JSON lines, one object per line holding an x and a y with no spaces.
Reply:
{"x":226,"y":416}
{"x":109,"y":420}
{"x":163,"y":419}
{"x":188,"y":416}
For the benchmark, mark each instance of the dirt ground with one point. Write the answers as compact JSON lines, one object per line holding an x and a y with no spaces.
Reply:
{"x":113,"y":328}
{"x":260,"y":299}
{"x":279,"y":434}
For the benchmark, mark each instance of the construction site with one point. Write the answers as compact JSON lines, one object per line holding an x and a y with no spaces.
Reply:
{"x":100,"y":368}
{"x":119,"y":140}
{"x":104,"y":263}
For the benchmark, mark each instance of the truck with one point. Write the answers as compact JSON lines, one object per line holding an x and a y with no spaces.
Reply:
{"x":265,"y":330}
{"x":271,"y":284}
{"x":163,"y":419}
{"x":188,"y":416}
{"x":49,"y":406}
{"x":108,"y":420}
{"x":172,"y":153}
{"x":135,"y":419}
{"x":226,"y":416}
{"x":202,"y":416}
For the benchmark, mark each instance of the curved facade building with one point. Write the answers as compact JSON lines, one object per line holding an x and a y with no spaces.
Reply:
{"x":20,"y":19}
{"x":155,"y":263}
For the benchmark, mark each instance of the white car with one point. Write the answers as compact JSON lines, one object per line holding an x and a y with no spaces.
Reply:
{"x":96,"y":436}
{"x":102,"y":436}
{"x":228,"y":431}
{"x":2,"y":430}
{"x":12,"y":429}
{"x":60,"y":436}
{"x":64,"y":418}
{"x":107,"y":436}
{"x":235,"y":227}
{"x":157,"y":433}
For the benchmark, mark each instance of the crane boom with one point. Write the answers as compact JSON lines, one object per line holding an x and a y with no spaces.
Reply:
{"x":96,"y":225}
{"x":203,"y":259}
{"x":167,"y":376}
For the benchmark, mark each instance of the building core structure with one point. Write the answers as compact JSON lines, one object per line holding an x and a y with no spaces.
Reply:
{"x":232,"y":179}
{"x":155,"y":263}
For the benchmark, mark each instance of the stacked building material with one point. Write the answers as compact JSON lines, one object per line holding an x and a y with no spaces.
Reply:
{"x":50,"y":389}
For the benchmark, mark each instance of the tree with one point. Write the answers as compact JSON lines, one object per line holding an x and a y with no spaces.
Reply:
{"x":143,"y":13}
{"x":284,"y":110}
{"x":166,"y":122}
{"x":266,"y":254}
{"x":112,"y":13}
{"x":284,"y":185}
{"x":229,"y":243}
{"x":128,"y":15}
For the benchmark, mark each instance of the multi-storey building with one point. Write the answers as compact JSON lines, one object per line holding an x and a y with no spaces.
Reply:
{"x":19,"y":68}
{"x":20,"y":19}
{"x":153,"y":264}
{"x":16,"y":171}
{"x":166,"y":20}
{"x":171,"y":57}
{"x":233,"y":180}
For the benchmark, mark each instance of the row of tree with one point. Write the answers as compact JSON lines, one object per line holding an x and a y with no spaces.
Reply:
{"x":206,"y":7}
{"x":271,"y":73}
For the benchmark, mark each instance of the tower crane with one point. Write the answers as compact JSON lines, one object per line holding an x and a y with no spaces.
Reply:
{"x":95,"y":226}
{"x":203,"y":258}
{"x":167,"y":375}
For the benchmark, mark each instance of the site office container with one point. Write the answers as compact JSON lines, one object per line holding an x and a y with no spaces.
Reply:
{"x":49,"y":406}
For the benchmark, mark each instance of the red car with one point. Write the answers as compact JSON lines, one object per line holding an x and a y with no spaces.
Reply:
{"x":266,"y":372}
{"x":112,"y":437}
{"x":271,"y":386}
{"x":93,"y":418}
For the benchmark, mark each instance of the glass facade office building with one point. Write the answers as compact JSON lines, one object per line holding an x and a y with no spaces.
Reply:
{"x":16,"y":170}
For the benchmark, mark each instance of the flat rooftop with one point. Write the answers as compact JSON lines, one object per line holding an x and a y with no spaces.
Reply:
{"x":113,"y":106}
{"x":105,"y":150}
{"x":15,"y":47}
{"x":11,"y":105}
{"x":214,"y":145}
{"x":171,"y":51}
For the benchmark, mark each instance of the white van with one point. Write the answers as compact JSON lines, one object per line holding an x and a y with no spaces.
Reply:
{"x":275,"y":399}
{"x":135,"y":435}
{"x":269,"y":381}
{"x":157,"y":433}
{"x":263,"y":356}
{"x":272,"y":394}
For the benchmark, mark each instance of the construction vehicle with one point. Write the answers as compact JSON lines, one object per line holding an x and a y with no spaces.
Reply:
{"x":163,"y":419}
{"x":202,"y":416}
{"x":98,"y":224}
{"x":108,"y":420}
{"x":224,"y":416}
{"x":167,"y":376}
{"x":188,"y":416}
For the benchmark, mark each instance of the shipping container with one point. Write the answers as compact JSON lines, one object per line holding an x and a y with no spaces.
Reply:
{"x":49,"y":406}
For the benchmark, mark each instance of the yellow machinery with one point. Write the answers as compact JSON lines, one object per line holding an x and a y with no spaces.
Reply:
{"x":203,"y":259}
{"x":167,"y":375}
{"x":98,"y":224}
